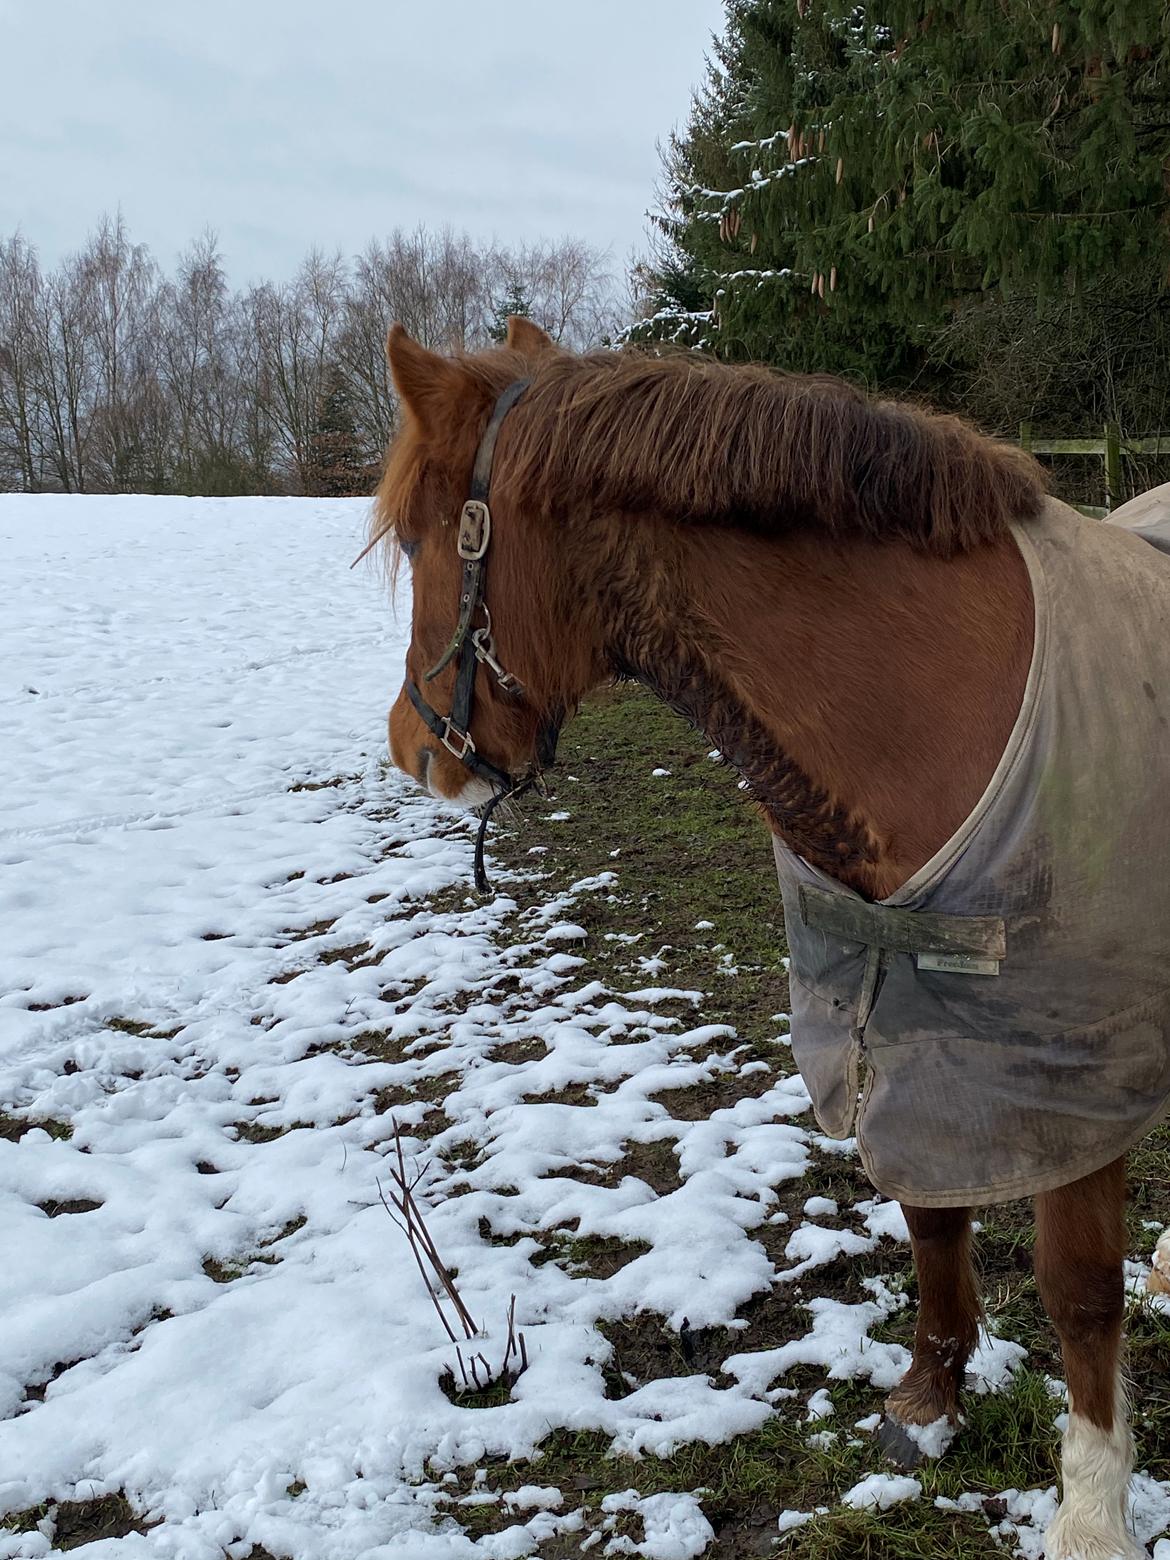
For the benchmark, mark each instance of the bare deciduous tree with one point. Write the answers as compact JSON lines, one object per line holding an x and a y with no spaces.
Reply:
{"x":113,"y":376}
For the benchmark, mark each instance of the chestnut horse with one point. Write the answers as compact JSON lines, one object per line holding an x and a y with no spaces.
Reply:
{"x":858,"y":650}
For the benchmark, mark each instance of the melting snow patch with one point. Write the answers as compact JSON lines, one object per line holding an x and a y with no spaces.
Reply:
{"x":787,"y":1520}
{"x":820,"y":1405}
{"x":839,"y":1342}
{"x":880,"y":1491}
{"x":884,"y":1218}
{"x":566,"y":931}
{"x":931,"y":1440}
{"x":994,"y":1363}
{"x":674,"y":1526}
{"x":534,"y":1497}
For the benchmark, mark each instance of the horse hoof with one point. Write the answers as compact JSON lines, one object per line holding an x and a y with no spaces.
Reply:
{"x":909,"y":1446}
{"x":898,"y":1447}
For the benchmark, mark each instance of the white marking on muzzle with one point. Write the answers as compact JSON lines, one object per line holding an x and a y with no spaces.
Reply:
{"x":474,"y":794}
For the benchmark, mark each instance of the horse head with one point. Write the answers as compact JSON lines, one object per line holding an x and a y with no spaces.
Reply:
{"x":488,"y":675}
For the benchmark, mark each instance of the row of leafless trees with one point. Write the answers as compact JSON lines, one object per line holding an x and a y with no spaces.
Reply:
{"x":115,"y":377}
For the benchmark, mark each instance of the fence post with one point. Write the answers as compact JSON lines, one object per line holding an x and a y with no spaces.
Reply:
{"x":1026,"y":437}
{"x":1112,"y":466}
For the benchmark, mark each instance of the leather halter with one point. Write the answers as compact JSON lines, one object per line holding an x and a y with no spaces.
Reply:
{"x":469,"y":647}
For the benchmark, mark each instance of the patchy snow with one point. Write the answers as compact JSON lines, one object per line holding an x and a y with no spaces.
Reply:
{"x":238,"y":947}
{"x":674,"y":1527}
{"x":839,"y":1343}
{"x":787,"y":1520}
{"x":880,"y":1491}
{"x":534,"y":1497}
{"x":820,"y":1405}
{"x":932,"y":1440}
{"x":198,"y":816}
{"x":1027,"y":1514}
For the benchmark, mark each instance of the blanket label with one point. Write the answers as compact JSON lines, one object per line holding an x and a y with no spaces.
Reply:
{"x":958,"y":964}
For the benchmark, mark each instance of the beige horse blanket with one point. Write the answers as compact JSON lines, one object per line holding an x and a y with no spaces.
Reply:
{"x":1147,"y":516}
{"x":1006,"y":1014}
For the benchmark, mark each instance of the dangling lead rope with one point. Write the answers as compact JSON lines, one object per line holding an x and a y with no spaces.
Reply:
{"x":482,"y":882}
{"x":546,"y":753}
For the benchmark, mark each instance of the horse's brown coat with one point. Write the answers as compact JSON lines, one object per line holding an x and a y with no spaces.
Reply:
{"x":834,"y":635}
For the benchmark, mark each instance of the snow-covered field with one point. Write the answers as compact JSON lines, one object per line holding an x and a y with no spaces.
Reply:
{"x":235,"y":948}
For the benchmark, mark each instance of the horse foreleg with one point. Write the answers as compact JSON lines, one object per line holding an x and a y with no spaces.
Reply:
{"x":1080,"y":1250}
{"x":949,"y":1309}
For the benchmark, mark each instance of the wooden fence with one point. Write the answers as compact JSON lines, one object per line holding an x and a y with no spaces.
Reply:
{"x":1111,"y":448}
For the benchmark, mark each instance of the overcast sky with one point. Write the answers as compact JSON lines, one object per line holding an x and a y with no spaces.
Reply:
{"x":288,"y":123}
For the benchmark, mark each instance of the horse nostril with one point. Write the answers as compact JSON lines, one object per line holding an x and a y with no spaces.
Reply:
{"x":424,"y":764}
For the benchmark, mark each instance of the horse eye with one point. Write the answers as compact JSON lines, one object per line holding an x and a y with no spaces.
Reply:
{"x":410,"y":549}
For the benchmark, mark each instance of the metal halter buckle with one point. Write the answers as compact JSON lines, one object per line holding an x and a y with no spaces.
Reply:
{"x":485,"y":651}
{"x":475,"y":530}
{"x":451,"y":735}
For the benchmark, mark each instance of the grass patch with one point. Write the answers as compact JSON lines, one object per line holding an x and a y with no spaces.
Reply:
{"x":80,"y":1522}
{"x":226,"y":1271}
{"x":257,"y":1132}
{"x":55,"y":1209}
{"x":140,"y":1028}
{"x":13,"y":1128}
{"x":587,"y":1256}
{"x":686,"y":848}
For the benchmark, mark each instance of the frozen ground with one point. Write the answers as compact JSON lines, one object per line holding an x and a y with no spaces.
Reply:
{"x":235,"y":948}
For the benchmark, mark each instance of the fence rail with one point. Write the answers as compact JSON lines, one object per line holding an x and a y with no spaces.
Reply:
{"x":1112,"y":449}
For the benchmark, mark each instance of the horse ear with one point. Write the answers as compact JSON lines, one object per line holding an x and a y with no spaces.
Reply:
{"x":424,"y":380}
{"x":526,"y":337}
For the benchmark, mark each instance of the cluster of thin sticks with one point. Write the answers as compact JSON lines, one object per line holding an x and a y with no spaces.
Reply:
{"x":402,"y":1206}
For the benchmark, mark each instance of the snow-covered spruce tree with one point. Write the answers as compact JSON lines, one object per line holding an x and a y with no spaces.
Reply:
{"x":849,"y":175}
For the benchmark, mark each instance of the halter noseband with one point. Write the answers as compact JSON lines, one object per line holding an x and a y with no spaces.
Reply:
{"x":471,"y":646}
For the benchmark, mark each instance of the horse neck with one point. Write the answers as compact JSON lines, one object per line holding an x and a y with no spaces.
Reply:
{"x":865,"y":691}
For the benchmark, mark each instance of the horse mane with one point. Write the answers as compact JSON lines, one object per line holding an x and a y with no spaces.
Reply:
{"x":700,"y":441}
